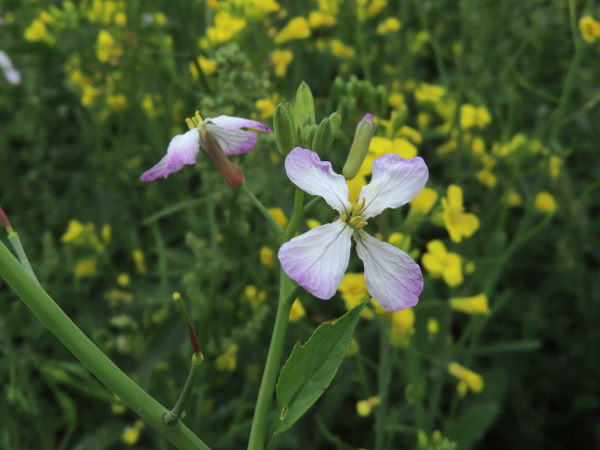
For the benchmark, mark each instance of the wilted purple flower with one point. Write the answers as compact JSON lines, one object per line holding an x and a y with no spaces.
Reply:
{"x":317,"y":259}
{"x":225,"y":131}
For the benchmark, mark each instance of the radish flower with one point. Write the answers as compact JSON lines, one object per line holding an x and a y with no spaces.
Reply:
{"x":225,"y":131}
{"x":317,"y":259}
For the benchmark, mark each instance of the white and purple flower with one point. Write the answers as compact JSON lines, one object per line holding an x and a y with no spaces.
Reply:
{"x":317,"y":259}
{"x":226,"y":131}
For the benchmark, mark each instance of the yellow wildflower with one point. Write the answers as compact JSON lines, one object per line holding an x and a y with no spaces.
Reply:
{"x":312,"y":223}
{"x":418,"y":42}
{"x":487,"y":178}
{"x":590,"y":29}
{"x":424,"y":201}
{"x":117,"y":102}
{"x":447,"y":147}
{"x":458,"y":223}
{"x":120,"y":19}
{"x":140,"y":263}
{"x":106,"y":48}
{"x":389,"y":25}
{"x":341,"y":50}
{"x":439,"y":261}
{"x":279,"y":216}
{"x":402,"y":327}
{"x":297,"y":28}
{"x":411,"y":134}
{"x":36,"y":31}
{"x":473,"y":116}
{"x":297,"y":312}
{"x":123,"y":279}
{"x":364,"y":407}
{"x":116,"y":295}
{"x":555,"y":163}
{"x":381,"y":146}
{"x":228,"y":360}
{"x":266,"y":106}
{"x":160,"y":18}
{"x":513,"y":198}
{"x":226,"y":27}
{"x":117,"y":406}
{"x":257,"y":9}
{"x":354,"y":291}
{"x":429,"y":93}
{"x":545,"y":202}
{"x":471,"y":305}
{"x":400,"y":240}
{"x":329,"y":6}
{"x":86,"y":268}
{"x":255,"y":297}
{"x":208,"y":67}
{"x":319,"y":19}
{"x":478,"y":146}
{"x":281,"y":59}
{"x":396,"y":99}
{"x":468,"y":379}
{"x":74,"y":230}
{"x":432,"y":326}
{"x":267,"y":257}
{"x":132,"y":434}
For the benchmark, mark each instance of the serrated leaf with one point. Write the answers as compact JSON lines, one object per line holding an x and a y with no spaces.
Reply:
{"x":311,"y":368}
{"x":470,"y":426}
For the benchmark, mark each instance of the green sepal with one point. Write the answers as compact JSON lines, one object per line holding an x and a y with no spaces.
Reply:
{"x":305,"y":104}
{"x":285,"y":130}
{"x":323,"y":137}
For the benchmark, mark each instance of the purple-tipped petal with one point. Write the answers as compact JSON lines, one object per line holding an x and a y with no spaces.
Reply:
{"x":182,"y":150}
{"x":317,"y":259}
{"x":309,"y":173}
{"x":233,"y":142}
{"x":395,"y":182}
{"x":392,"y":277}
{"x":235,"y":123}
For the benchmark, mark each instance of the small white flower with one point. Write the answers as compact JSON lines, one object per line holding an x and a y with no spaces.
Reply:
{"x":317,"y":259}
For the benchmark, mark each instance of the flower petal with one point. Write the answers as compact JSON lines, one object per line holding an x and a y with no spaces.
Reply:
{"x":309,"y":173}
{"x":395,"y":182}
{"x":317,"y":259}
{"x":393,"y":279}
{"x":234,"y":123}
{"x":233,"y":141}
{"x":182,"y":150}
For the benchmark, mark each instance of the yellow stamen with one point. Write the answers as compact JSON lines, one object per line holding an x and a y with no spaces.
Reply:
{"x":190,"y":124}
{"x":199,"y":117}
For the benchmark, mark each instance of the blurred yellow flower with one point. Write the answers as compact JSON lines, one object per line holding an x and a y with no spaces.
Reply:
{"x":140,"y":262}
{"x":468,"y":379}
{"x":312,"y":223}
{"x":36,"y":31}
{"x":555,"y":164}
{"x":439,"y":261}
{"x":396,"y":99}
{"x":458,"y":223}
{"x":513,"y":198}
{"x":297,"y":312}
{"x":429,"y":93}
{"x":356,"y":184}
{"x":424,"y":201}
{"x":256,"y":9}
{"x":279,"y":216}
{"x":116,"y":295}
{"x":487,"y":178}
{"x":364,"y":407}
{"x":319,"y":19}
{"x":266,"y":107}
{"x":590,"y":29}
{"x":473,"y":116}
{"x":106,"y":47}
{"x":120,"y":19}
{"x":86,"y":268}
{"x":297,"y":28}
{"x":117,"y":406}
{"x":267,"y":257}
{"x":354,"y":291}
{"x":281,"y":59}
{"x":400,"y":240}
{"x":123,"y":279}
{"x":411,"y":134}
{"x":389,"y":25}
{"x":255,"y":297}
{"x":228,"y":360}
{"x":329,"y":6}
{"x":478,"y":146}
{"x":341,"y":50}
{"x":74,"y":230}
{"x":208,"y":67}
{"x":402,"y":327}
{"x":226,"y":27}
{"x":432,"y":326}
{"x":471,"y":305}
{"x":117,"y":102}
{"x":353,"y":348}
{"x":545,"y":202}
{"x":160,"y":18}
{"x":132,"y":434}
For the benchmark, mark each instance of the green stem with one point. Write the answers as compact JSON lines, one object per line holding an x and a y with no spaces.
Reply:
{"x":384,"y":376}
{"x":97,"y":362}
{"x":286,"y":298}
{"x":265,"y":212}
{"x":14,"y":240}
{"x":173,"y":416}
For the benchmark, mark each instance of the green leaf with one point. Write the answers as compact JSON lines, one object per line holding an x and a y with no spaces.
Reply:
{"x":470,"y":426}
{"x":311,"y":367}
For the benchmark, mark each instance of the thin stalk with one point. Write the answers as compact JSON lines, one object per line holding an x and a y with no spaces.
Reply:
{"x":384,"y":377}
{"x":97,"y":362}
{"x":265,"y":212}
{"x":173,"y":416}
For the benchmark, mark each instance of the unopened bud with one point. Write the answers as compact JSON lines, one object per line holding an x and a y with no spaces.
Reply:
{"x":323,"y":137}
{"x":399,"y":117}
{"x":5,"y":221}
{"x":305,"y":105}
{"x":360,"y":146}
{"x":335,"y":120}
{"x":232,"y":175}
{"x":308,"y":134}
{"x":285,"y":130}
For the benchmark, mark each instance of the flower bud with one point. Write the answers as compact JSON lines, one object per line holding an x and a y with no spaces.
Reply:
{"x":335,"y":120}
{"x":308,"y":134}
{"x":305,"y":105}
{"x":323,"y":137}
{"x":285,"y":130}
{"x":360,"y":146}
{"x":399,"y":117}
{"x":232,"y":175}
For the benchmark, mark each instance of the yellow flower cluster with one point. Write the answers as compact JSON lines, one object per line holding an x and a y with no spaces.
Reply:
{"x":469,"y":380}
{"x":440,"y":262}
{"x":458,"y":223}
{"x":227,"y":362}
{"x":590,"y":28}
{"x":364,"y":407}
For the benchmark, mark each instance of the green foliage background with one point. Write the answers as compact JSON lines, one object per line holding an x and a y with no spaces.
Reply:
{"x":539,"y":351}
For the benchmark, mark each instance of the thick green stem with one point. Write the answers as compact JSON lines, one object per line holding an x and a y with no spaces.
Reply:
{"x":14,"y":240}
{"x":286,"y":298}
{"x":97,"y":362}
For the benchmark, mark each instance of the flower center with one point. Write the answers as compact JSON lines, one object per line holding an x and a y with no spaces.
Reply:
{"x":353,"y":217}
